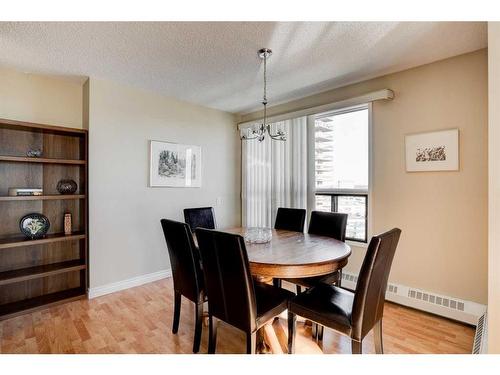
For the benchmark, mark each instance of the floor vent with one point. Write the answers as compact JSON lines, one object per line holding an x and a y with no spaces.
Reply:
{"x":481,"y":336}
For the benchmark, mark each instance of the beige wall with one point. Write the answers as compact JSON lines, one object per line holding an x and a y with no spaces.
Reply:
{"x":443,"y":215}
{"x":126,"y":238}
{"x":494,"y":187}
{"x":41,"y":99}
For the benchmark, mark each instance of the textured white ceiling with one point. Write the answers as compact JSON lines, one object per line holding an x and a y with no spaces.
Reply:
{"x":215,"y":63}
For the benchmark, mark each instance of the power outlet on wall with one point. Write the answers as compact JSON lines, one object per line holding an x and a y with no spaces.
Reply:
{"x":218,"y":201}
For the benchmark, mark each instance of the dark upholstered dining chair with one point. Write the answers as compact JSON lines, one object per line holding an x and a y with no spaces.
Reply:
{"x":233,"y":297}
{"x":328,"y":224}
{"x":200,"y":217}
{"x":292,"y":219}
{"x":187,"y":273}
{"x":354,"y":313}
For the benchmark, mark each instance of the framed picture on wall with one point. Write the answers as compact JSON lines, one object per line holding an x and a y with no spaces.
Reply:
{"x":174,"y":165}
{"x":432,"y":151}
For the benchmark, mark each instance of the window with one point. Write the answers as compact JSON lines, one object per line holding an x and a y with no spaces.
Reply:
{"x":342,"y":167}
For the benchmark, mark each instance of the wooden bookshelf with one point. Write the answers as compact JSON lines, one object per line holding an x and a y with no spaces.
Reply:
{"x":37,"y":273}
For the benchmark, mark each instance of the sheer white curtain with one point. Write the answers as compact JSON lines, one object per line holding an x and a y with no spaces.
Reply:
{"x":274,"y":173}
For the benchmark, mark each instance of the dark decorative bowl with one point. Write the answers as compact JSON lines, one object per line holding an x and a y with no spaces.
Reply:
{"x":34,"y":225}
{"x":67,"y":187}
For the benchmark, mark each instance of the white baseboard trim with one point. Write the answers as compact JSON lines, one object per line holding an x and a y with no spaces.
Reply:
{"x":449,"y":307}
{"x":128,"y":283}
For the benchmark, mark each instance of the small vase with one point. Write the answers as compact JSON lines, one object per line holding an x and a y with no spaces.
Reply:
{"x":67,"y":187}
{"x":67,"y":223}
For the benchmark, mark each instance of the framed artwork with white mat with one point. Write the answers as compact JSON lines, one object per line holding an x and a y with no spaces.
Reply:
{"x":174,"y":165}
{"x":433,"y":151}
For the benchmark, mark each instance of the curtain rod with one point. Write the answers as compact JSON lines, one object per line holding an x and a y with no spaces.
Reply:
{"x":384,"y":94}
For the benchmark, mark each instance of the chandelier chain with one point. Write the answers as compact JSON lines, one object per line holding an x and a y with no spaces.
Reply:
{"x":265,"y":80}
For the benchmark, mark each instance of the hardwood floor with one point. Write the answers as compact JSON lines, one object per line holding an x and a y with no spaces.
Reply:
{"x":139,"y":320}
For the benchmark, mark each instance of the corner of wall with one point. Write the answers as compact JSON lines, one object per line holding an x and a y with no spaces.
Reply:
{"x":493,"y":188}
{"x":85,"y":104}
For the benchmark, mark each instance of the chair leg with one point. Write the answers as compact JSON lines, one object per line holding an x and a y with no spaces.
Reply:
{"x":314,"y":330}
{"x":277,"y":283}
{"x":339,"y":278}
{"x":212,"y":334}
{"x":320,"y":331}
{"x":377,"y":332}
{"x":177,"y":312}
{"x":356,"y":347}
{"x":298,"y":288}
{"x":198,"y":326}
{"x":292,"y":319}
{"x":251,"y":342}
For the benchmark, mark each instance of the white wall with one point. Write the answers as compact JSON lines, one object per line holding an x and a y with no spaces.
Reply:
{"x":494,"y":187}
{"x":126,"y":240}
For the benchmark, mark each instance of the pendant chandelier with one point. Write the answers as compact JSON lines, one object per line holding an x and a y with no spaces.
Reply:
{"x":260,"y":132}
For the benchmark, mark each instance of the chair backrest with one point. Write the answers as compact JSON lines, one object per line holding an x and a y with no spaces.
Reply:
{"x":184,"y":259}
{"x":229,"y":285}
{"x":200,"y":217}
{"x":330,"y":224}
{"x":290,"y":219}
{"x":369,"y":298}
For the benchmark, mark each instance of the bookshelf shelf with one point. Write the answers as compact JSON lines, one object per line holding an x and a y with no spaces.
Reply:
{"x":24,"y":159}
{"x":41,"y":197}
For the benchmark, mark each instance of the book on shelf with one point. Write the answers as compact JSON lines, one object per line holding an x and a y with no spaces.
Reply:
{"x":18,"y":192}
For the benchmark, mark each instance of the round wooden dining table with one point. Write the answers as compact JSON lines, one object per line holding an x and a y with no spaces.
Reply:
{"x":295,"y":255}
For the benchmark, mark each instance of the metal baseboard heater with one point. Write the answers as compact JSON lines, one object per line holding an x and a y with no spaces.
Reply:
{"x":481,"y":336}
{"x":447,"y":306}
